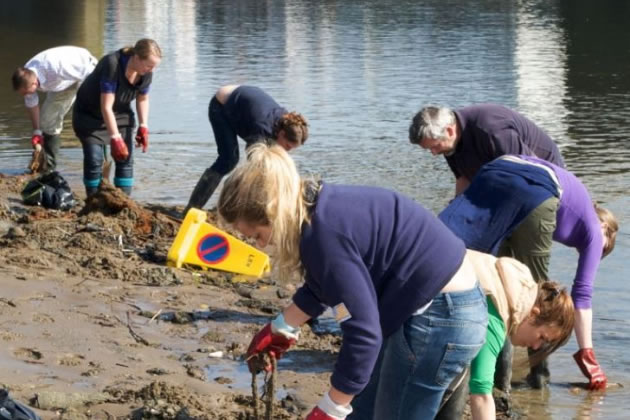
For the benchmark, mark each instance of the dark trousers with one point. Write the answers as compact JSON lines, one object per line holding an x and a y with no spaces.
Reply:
{"x":94,"y":154}
{"x":225,"y":137}
{"x":51,"y":149}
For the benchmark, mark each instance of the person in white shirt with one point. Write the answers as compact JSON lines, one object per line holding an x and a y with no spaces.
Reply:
{"x":57,"y":71}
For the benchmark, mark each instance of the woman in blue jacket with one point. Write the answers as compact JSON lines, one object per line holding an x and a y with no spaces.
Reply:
{"x":399,"y":282}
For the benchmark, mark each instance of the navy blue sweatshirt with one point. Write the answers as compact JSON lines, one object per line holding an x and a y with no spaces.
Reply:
{"x":499,"y":198}
{"x":489,"y":131}
{"x":375,"y":257}
{"x":252,"y":113}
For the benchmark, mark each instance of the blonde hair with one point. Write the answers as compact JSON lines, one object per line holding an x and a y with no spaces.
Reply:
{"x":612,"y":226}
{"x":144,"y":48}
{"x":556,"y":310}
{"x":267,"y":190}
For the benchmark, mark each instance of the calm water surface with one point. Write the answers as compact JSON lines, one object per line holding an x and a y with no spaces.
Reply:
{"x":359,"y":70}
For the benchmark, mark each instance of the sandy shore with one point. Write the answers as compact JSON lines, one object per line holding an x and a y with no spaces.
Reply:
{"x":94,"y":325}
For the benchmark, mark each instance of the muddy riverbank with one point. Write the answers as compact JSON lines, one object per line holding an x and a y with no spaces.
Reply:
{"x":94,"y":325}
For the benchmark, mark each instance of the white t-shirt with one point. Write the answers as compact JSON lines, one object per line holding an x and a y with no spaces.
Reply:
{"x":59,"y":68}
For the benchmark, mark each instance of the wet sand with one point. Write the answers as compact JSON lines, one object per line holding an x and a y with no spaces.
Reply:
{"x":93,"y":324}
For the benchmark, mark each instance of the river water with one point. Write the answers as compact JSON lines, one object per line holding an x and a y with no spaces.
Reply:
{"x":359,"y":70}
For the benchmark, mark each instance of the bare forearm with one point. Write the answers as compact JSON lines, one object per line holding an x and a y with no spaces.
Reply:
{"x":340,"y":398}
{"x":584,"y":328}
{"x":33,"y":114}
{"x":110,"y":122}
{"x":482,"y":407}
{"x":107,"y":109}
{"x":142,"y":108}
{"x":294,"y":316}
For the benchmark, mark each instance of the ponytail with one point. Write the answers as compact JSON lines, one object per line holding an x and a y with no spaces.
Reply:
{"x":606,"y":217}
{"x":144,"y":48}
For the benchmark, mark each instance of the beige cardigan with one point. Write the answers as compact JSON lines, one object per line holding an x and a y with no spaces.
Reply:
{"x":509,"y":284}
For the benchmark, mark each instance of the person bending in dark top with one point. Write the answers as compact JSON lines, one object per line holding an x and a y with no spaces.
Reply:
{"x":472,"y":136}
{"x":251,"y":114}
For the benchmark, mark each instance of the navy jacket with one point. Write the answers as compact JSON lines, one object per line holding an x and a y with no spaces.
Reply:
{"x":375,"y":257}
{"x":252,"y":113}
{"x":497,"y":200}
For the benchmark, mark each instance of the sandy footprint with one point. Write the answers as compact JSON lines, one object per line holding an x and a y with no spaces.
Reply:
{"x":71,"y":359}
{"x":10,"y":336}
{"x":43,"y":318}
{"x":26,"y":353}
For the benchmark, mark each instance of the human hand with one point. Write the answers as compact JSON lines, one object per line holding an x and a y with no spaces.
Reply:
{"x":142,"y":138}
{"x":267,"y":340}
{"x":119,"y":148}
{"x":586,"y":361}
{"x":37,"y":140}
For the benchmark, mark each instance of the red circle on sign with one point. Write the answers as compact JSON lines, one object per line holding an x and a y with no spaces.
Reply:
{"x":213,"y":248}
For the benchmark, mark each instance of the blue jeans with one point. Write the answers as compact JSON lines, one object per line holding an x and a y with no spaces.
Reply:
{"x":417,"y":363}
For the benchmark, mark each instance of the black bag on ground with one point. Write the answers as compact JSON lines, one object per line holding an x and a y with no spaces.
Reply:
{"x":49,"y":190}
{"x":13,"y":410}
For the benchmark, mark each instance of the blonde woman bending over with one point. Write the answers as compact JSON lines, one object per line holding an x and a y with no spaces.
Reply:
{"x":395,"y":276}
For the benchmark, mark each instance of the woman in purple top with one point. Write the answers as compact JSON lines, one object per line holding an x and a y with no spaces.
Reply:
{"x":591,"y":230}
{"x":573,"y":220}
{"x":399,"y":282}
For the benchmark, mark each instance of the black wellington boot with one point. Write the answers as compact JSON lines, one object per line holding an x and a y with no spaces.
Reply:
{"x":204,"y":189}
{"x":51,"y":147}
{"x":455,"y":398}
{"x":503,"y":371}
{"x":538,"y":376}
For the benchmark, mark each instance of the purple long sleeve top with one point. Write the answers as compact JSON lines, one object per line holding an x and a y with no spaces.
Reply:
{"x":577,"y":226}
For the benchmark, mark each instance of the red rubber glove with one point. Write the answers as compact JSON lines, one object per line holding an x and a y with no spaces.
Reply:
{"x":585,"y":359}
{"x":37,"y":140}
{"x":142,"y":138}
{"x":317,"y":414}
{"x":327,"y":409}
{"x":267,"y":341}
{"x":119,"y":149}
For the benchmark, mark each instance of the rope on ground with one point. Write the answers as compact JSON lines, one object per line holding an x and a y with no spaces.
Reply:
{"x":269,"y":386}
{"x":134,"y":334}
